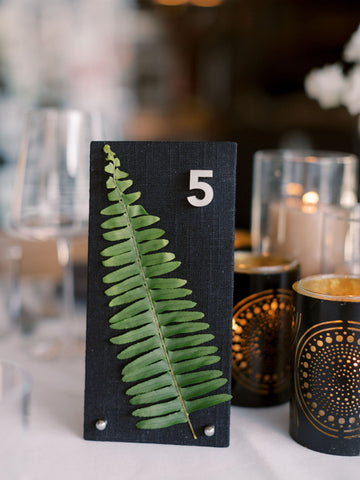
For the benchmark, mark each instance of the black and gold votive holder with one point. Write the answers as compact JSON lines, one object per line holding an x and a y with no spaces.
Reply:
{"x":325,"y":398}
{"x":262,"y":329}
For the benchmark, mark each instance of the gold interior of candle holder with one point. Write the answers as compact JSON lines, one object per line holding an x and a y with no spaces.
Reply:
{"x":330,"y":287}
{"x":249,"y":262}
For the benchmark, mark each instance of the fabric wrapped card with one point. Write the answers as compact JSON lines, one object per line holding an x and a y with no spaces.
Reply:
{"x":160,"y":292}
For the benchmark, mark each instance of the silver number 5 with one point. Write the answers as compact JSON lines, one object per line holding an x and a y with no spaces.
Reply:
{"x":205,"y":187}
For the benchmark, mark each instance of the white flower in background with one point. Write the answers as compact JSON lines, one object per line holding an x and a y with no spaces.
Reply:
{"x":331,"y":87}
{"x":352,"y":48}
{"x":351,"y":96}
{"x":326,"y":85}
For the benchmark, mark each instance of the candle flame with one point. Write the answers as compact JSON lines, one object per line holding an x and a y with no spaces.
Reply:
{"x":310,"y":198}
{"x":310,"y":201}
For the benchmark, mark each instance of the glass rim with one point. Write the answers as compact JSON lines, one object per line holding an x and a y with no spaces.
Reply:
{"x":310,"y":156}
{"x":309,"y":287}
{"x":262,"y":263}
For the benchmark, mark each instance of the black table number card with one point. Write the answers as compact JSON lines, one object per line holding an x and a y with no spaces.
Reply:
{"x":160,"y":292}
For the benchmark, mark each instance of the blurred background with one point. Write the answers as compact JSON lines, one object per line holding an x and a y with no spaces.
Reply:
{"x":177,"y":70}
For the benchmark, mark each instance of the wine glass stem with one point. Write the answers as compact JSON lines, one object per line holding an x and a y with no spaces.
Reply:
{"x":68,"y":299}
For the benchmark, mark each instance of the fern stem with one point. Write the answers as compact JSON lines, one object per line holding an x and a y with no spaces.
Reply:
{"x":152,"y":306}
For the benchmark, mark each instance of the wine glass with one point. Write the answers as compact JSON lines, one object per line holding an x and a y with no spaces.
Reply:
{"x":51,"y":201}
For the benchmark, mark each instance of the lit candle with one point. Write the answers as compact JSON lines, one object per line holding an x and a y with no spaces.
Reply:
{"x":296,"y":227}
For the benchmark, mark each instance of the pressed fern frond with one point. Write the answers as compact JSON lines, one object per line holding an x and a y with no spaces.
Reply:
{"x":159,"y":327}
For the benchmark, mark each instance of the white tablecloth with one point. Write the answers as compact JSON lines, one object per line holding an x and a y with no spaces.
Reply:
{"x":260,"y":446}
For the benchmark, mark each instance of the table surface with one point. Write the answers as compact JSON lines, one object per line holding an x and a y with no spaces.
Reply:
{"x":260,"y":446}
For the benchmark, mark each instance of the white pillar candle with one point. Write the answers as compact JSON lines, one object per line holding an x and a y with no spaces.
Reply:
{"x":296,"y":231}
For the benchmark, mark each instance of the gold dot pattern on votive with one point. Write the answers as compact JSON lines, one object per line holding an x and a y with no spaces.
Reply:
{"x":260,"y":322}
{"x":328,"y":379}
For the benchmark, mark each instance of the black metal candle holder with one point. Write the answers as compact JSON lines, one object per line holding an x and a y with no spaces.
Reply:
{"x":262,"y":318}
{"x":325,"y":400}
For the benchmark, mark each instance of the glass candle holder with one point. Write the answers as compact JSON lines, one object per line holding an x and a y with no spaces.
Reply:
{"x":291,"y":192}
{"x":325,"y":397}
{"x":341,"y":241}
{"x":262,"y":328}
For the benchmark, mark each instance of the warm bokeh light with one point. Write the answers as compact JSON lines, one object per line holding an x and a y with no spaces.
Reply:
{"x":206,"y":3}
{"x":171,"y":3}
{"x":294,"y":189}
{"x":310,"y":198}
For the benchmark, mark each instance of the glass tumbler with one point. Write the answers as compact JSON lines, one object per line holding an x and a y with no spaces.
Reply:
{"x":292,"y":190}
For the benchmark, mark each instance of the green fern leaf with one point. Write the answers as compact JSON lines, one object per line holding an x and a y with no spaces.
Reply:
{"x":166,"y":358}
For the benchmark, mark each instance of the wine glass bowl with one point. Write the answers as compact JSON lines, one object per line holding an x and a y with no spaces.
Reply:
{"x":51,"y":186}
{"x":51,"y":198}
